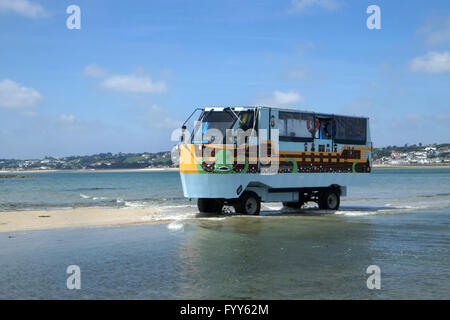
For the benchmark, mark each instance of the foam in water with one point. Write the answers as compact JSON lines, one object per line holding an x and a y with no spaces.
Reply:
{"x":212,"y":218}
{"x":84,"y":196}
{"x":99,"y":198}
{"x":357,"y":213}
{"x":176,"y":225}
{"x":393,"y":208}
{"x":176,"y":213}
{"x":136,"y":204}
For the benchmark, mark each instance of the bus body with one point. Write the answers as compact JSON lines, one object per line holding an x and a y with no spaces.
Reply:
{"x":265,"y":154}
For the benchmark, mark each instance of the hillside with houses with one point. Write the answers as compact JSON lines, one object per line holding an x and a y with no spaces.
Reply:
{"x":391,"y":155}
{"x":413,"y":155}
{"x":97,"y":161}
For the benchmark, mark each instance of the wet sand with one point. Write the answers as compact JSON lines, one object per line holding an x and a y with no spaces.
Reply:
{"x":77,"y":217}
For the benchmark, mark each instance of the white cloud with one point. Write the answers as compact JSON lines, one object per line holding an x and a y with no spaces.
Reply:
{"x":302,"y":73}
{"x":14,"y":95}
{"x":298,"y":73}
{"x":437,"y":32}
{"x":414,"y":124}
{"x":302,"y":5}
{"x":302,"y":48}
{"x":94,"y":71}
{"x":359,"y":106}
{"x":280,"y":99}
{"x":68,"y":122}
{"x":6,"y":132}
{"x":67,"y":118}
{"x":373,"y":84}
{"x":23,"y":7}
{"x":134,"y":84}
{"x":158,"y":118}
{"x":432,"y":62}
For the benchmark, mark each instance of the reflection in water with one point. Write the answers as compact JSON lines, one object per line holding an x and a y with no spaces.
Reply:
{"x":289,"y":256}
{"x":275,"y":257}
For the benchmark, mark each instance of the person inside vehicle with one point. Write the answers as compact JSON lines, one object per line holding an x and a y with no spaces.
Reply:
{"x":326,"y":129}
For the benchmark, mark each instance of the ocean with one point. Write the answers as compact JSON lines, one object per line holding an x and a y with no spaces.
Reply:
{"x":399,"y":223}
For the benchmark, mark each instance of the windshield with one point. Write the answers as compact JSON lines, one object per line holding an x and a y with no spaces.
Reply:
{"x":221,"y":121}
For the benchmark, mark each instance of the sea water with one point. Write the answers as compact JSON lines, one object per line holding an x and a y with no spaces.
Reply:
{"x":399,"y":223}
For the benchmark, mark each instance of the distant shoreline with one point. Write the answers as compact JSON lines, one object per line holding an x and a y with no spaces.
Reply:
{"x":411,"y":166}
{"x":170,"y":169}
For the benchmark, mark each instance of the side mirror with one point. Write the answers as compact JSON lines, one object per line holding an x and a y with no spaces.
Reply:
{"x":183,"y":129}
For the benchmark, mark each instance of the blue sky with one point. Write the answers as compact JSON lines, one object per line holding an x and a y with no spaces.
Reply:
{"x":136,"y":69}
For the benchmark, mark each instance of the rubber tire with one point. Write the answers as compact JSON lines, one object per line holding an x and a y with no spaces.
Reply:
{"x":241,"y":204}
{"x":207,"y":205}
{"x":293,"y":205}
{"x":325,"y":201}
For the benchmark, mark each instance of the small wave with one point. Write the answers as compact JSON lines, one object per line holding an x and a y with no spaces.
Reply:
{"x":272,"y":206}
{"x":399,"y":198}
{"x":177,"y":207}
{"x":176,"y":225}
{"x":364,"y":199}
{"x":168,"y":217}
{"x":136,"y":204}
{"x":356,"y":213}
{"x":443,"y":194}
{"x":176,"y":213}
{"x":433,"y":195}
{"x":99,"y":198}
{"x":212,"y":218}
{"x":425,"y":206}
{"x":84,"y":196}
{"x":391,"y":209}
{"x":91,"y":189}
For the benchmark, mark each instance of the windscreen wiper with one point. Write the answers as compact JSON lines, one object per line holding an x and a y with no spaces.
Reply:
{"x":229,"y":109}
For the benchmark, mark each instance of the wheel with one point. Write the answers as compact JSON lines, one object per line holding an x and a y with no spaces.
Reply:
{"x":294,"y":205}
{"x":329,"y":200}
{"x":209,"y":205}
{"x":249,"y":203}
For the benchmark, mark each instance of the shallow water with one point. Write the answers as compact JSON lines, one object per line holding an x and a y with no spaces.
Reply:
{"x":269,"y":257}
{"x":400,"y":223}
{"x":47,"y":190}
{"x":391,"y":191}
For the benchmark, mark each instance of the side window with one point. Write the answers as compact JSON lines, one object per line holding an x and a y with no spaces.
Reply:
{"x":350,"y":130}
{"x":295,"y":126}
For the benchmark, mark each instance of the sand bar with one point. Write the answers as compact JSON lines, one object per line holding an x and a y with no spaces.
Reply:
{"x":77,"y":217}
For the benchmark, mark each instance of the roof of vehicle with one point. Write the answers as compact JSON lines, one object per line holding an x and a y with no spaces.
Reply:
{"x":243,"y":108}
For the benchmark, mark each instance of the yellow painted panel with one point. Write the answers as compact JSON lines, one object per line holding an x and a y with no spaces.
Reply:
{"x":187,"y":159}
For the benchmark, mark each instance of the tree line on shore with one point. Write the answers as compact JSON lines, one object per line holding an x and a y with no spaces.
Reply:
{"x":96,"y":161}
{"x":151,"y":160}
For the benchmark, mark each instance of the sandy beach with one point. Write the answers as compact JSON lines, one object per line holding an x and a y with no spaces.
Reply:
{"x":166,"y":169}
{"x":77,"y":217}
